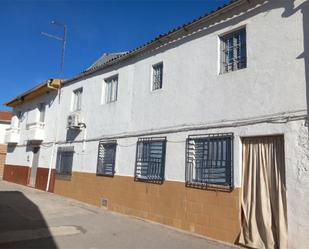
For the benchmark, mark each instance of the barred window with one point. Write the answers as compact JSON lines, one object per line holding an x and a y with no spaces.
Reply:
{"x":111,"y":89}
{"x":64,"y":161}
{"x":209,"y":160}
{"x":150,"y":159}
{"x":234,"y":51}
{"x":157,"y":76}
{"x":106,"y":158}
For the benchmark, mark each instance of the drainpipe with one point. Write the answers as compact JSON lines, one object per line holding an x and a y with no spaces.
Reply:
{"x":56,"y":133}
{"x":50,"y":167}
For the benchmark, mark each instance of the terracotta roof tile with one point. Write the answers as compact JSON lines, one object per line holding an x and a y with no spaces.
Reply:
{"x":5,"y":115}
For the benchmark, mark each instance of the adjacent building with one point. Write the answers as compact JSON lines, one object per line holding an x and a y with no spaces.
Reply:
{"x":204,"y":128}
{"x":5,"y":121}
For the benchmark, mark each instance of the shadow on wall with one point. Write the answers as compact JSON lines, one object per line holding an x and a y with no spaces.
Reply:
{"x":290,"y":9}
{"x":21,"y":223}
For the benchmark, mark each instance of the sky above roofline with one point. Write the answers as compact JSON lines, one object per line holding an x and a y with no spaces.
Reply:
{"x":94,"y":28}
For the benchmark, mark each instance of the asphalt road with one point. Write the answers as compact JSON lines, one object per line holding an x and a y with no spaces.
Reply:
{"x":30,"y":218}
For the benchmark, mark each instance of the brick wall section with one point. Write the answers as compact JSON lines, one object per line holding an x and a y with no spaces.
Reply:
{"x":3,"y":150}
{"x":210,"y":213}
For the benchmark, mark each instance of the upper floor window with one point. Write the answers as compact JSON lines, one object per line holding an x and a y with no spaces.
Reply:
{"x":42,"y":109}
{"x":209,"y":160}
{"x":233,"y":51}
{"x":157,"y":76}
{"x":77,"y":99}
{"x":106,"y":158}
{"x":150,"y":159}
{"x":111,"y":89}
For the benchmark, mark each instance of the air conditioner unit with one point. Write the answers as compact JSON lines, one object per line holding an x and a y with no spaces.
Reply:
{"x":74,"y":121}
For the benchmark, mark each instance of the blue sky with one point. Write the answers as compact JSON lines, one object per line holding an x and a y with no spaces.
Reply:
{"x":94,"y":27}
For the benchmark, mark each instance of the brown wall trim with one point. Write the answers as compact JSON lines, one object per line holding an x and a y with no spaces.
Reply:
{"x":42,"y":178}
{"x":3,"y":149}
{"x":16,"y":173}
{"x":210,"y":213}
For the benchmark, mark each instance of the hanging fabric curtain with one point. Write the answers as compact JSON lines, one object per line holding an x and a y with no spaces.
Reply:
{"x":264,"y":215}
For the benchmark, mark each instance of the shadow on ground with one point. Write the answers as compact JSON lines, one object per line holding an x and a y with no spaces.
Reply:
{"x":21,"y":223}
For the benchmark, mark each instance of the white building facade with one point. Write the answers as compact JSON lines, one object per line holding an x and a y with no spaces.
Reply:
{"x":171,"y":131}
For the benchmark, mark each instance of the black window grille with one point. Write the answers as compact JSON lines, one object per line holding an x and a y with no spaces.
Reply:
{"x":157,"y":76}
{"x":234,"y":51}
{"x":64,"y":161}
{"x":150,"y":159}
{"x":209,"y":161}
{"x":106,"y":158}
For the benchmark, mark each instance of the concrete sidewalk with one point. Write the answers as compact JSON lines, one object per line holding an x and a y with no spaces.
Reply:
{"x":34,"y":219}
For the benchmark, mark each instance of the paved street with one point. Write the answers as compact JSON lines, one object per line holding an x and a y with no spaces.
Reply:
{"x":34,"y":219}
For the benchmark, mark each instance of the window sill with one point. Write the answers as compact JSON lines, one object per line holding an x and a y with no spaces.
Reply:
{"x":107,"y":175}
{"x":109,"y":103}
{"x":63,"y":177}
{"x":158,"y":91}
{"x":210,"y":186}
{"x":147,"y":180}
{"x":233,"y":72}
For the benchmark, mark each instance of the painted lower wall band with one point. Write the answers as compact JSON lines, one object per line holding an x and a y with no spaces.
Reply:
{"x":210,"y":213}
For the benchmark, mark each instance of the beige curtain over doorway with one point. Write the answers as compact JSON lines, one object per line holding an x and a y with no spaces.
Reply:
{"x":263,"y":206}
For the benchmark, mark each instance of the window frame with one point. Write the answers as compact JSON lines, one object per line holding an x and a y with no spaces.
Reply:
{"x":77,"y":99}
{"x":148,"y":140}
{"x":108,"y":91}
{"x":228,"y":185}
{"x":223,"y":50}
{"x":153,"y":68}
{"x":107,"y":143}
{"x":42,"y":112}
{"x":59,"y":171}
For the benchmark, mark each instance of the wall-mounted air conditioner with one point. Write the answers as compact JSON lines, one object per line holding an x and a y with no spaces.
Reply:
{"x":74,"y":121}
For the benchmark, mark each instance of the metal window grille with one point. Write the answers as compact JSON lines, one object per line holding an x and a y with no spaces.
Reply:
{"x":77,"y":105}
{"x":64,"y":161}
{"x":234,"y":51}
{"x":157,"y":76}
{"x":111,"y":89}
{"x":209,"y":161}
{"x":106,"y":158}
{"x":150,"y":159}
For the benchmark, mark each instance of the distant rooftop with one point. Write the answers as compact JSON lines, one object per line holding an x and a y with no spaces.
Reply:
{"x":5,"y":116}
{"x":106,"y":57}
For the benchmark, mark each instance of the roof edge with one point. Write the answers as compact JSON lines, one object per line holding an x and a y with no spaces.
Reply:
{"x":52,"y":84}
{"x":186,"y":27}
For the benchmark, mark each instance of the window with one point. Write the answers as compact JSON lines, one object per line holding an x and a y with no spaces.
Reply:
{"x":209,"y":160}
{"x":234,"y":51}
{"x":65,"y":161}
{"x":111,"y":89}
{"x":19,"y":116}
{"x":106,"y":158}
{"x":77,"y":99}
{"x":150,"y":159}
{"x":157,"y":76}
{"x":42,"y":108}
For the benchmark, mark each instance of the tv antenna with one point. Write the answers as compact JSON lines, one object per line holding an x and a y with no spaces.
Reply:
{"x":63,"y":39}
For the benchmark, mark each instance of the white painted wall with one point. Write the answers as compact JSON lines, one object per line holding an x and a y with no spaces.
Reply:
{"x":3,"y":127}
{"x":195,"y":94}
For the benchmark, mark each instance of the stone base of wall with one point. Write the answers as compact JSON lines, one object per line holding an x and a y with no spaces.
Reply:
{"x":3,"y":150}
{"x":210,"y":213}
{"x":42,"y":178}
{"x":17,"y":174}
